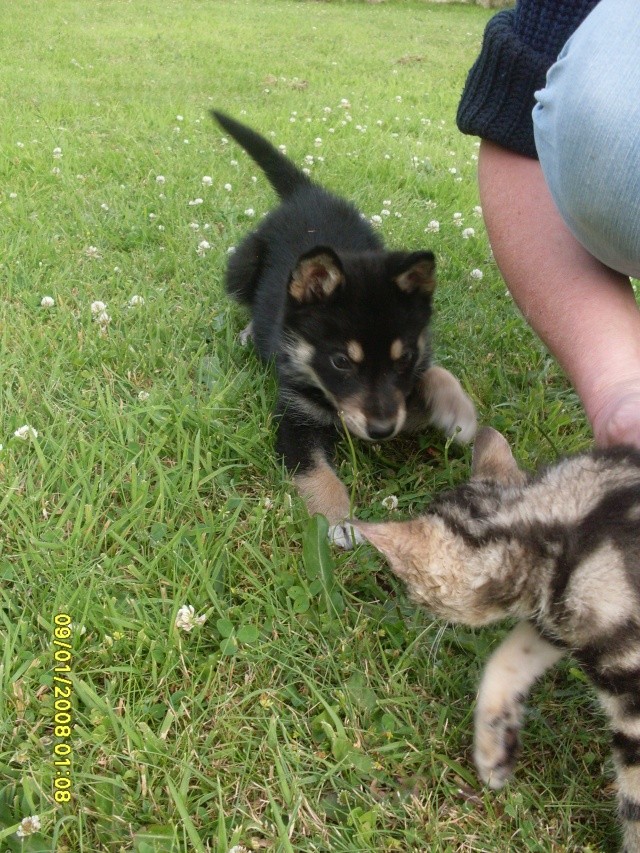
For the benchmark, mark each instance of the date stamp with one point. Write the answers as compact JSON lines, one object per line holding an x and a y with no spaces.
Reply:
{"x":63,"y":709}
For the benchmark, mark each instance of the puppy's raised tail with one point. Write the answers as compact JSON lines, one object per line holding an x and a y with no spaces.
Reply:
{"x":282,"y":174}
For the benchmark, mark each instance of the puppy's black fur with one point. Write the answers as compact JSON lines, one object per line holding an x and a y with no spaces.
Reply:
{"x":346,"y":323}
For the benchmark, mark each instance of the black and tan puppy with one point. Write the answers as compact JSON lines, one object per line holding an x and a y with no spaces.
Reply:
{"x":347,"y":324}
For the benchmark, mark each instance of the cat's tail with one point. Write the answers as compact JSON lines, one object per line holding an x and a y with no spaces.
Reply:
{"x":283,"y":175}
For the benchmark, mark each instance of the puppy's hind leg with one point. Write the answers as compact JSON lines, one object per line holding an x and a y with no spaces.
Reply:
{"x":246,"y":334}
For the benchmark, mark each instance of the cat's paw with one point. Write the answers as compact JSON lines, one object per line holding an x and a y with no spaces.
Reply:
{"x":497,"y":742}
{"x":345,"y":536}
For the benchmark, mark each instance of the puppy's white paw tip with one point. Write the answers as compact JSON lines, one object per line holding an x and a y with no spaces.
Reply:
{"x":345,"y":536}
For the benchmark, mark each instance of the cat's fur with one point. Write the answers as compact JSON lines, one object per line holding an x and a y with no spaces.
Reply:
{"x":560,"y":551}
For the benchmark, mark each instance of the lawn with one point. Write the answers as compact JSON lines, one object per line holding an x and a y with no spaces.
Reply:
{"x":310,"y":707}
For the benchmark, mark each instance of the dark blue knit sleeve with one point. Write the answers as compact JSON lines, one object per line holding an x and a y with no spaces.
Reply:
{"x":518,"y":48}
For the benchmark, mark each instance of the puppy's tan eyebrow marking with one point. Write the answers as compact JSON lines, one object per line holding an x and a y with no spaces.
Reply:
{"x":397,"y":348}
{"x":355,"y":352}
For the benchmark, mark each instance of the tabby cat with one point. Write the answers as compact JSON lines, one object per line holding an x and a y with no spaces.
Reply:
{"x":559,"y":550}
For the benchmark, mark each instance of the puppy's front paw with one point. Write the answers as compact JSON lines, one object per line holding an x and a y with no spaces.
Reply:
{"x":497,"y":742}
{"x":449,"y":407}
{"x":345,"y":536}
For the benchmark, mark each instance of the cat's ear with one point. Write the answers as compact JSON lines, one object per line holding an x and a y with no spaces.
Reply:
{"x":493,"y":460}
{"x":396,"y":540}
{"x":316,"y":276}
{"x":415,"y":272}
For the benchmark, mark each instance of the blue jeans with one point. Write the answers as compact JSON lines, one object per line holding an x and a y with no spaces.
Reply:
{"x":587,"y":132}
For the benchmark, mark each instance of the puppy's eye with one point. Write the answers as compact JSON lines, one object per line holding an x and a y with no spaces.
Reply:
{"x":341,"y":361}
{"x":405,"y":360}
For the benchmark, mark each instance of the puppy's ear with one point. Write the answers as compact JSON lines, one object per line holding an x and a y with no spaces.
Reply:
{"x":316,"y":276}
{"x":493,"y":460}
{"x":415,"y":272}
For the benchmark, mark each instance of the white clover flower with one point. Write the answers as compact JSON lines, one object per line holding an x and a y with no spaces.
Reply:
{"x":160,"y":179}
{"x":309,"y":159}
{"x":186,"y":618}
{"x":375,"y":219}
{"x":249,"y":212}
{"x":143,"y":395}
{"x":433,"y":227}
{"x":55,"y":170}
{"x":207,"y":181}
{"x":97,"y":307}
{"x":93,"y":252}
{"x":344,"y":103}
{"x":25,"y":432}
{"x":47,"y":302}
{"x":103,"y":318}
{"x":468,"y":232}
{"x":13,"y":195}
{"x":228,"y":187}
{"x":385,"y":212}
{"x":477,"y":210}
{"x":28,"y":826}
{"x":195,"y":202}
{"x":238,"y":848}
{"x":179,"y":118}
{"x":203,"y":247}
{"x":477,"y":274}
{"x":136,"y":300}
{"x":104,"y":207}
{"x":57,"y":153}
{"x":390,"y":502}
{"x":231,"y":250}
{"x":20,"y":144}
{"x":317,"y":141}
{"x":306,"y":171}
{"x":194,"y":226}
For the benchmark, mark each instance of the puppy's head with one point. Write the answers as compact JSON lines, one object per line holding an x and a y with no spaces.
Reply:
{"x":356,"y":330}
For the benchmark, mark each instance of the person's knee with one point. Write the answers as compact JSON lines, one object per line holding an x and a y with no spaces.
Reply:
{"x":585,"y":126}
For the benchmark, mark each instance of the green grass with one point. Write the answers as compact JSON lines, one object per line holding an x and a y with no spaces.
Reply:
{"x":315,"y":709}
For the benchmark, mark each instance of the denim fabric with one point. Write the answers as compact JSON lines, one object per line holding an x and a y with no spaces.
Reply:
{"x":587,"y":133}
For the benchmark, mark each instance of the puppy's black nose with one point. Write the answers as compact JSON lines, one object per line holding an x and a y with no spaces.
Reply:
{"x":380,"y":431}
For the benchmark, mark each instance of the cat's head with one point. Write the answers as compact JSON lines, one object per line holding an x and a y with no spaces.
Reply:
{"x":442,"y":570}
